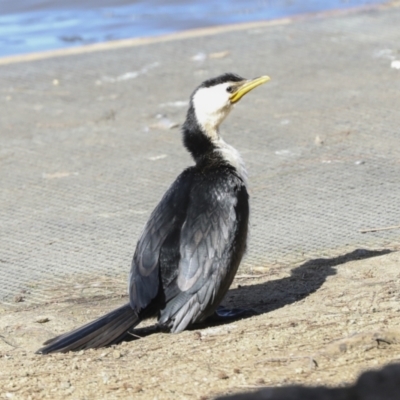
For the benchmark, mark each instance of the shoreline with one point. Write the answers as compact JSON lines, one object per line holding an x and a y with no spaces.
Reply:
{"x":185,"y":34}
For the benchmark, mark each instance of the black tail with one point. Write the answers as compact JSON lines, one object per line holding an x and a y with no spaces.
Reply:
{"x":106,"y":330}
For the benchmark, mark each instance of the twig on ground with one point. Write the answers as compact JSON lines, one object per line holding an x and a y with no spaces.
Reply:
{"x":386,"y":228}
{"x":313,"y":362}
{"x":248,"y":276}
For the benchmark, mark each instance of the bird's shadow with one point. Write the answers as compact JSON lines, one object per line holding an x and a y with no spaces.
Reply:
{"x":304,"y":280}
{"x":271,"y":295}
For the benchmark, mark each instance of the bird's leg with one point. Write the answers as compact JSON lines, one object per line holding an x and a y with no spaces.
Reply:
{"x":139,"y":333}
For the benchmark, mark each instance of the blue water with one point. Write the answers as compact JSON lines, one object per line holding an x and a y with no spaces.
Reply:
{"x":37,"y":25}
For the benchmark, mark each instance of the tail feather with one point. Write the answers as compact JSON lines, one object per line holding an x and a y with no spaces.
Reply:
{"x":104,"y":331}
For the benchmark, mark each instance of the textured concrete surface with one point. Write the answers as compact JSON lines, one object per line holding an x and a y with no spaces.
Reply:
{"x":85,"y":156}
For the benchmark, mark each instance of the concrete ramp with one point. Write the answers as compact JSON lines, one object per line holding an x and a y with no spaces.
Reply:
{"x":90,"y":142}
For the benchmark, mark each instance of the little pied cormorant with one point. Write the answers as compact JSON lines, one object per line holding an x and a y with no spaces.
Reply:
{"x":194,"y":240}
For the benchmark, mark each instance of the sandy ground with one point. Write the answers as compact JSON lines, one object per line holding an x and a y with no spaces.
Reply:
{"x":322,"y":322}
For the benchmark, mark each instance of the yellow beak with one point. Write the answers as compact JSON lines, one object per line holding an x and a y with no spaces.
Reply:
{"x":246,"y":86}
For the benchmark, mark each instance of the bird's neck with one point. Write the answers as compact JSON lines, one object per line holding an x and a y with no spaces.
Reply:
{"x":207,"y":147}
{"x":199,"y":145}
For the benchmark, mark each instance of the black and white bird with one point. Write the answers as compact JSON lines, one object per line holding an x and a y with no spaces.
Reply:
{"x":193,"y":242}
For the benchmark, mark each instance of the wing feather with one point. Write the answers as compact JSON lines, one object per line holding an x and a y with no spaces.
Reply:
{"x":144,"y":275}
{"x":207,"y":240}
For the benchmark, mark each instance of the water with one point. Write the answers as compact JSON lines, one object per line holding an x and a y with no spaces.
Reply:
{"x":37,"y":25}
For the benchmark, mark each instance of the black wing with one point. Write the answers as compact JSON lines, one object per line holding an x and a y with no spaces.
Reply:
{"x":213,"y":240}
{"x":144,"y":275}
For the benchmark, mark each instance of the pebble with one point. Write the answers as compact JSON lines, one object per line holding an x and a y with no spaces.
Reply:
{"x":18,"y":299}
{"x":116,"y":354}
{"x":395,"y":64}
{"x":237,"y":371}
{"x":222,"y":375}
{"x":42,"y":320}
{"x":318,"y":141}
{"x":65,"y":385}
{"x":197,"y":335}
{"x":299,"y":370}
{"x":137,"y":388}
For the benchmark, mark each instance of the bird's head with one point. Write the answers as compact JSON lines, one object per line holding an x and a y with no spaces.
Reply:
{"x":213,"y":99}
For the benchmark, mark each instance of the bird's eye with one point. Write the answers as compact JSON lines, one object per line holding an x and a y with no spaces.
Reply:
{"x":230,"y":89}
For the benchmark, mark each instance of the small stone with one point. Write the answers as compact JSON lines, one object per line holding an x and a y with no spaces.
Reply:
{"x":137,"y":389}
{"x":116,"y":354}
{"x":197,"y":335}
{"x":318,"y":141}
{"x":260,"y":381}
{"x":222,"y":375}
{"x":42,"y":320}
{"x":237,"y":371}
{"x":65,"y":385}
{"x":395,"y":64}
{"x":56,"y":82}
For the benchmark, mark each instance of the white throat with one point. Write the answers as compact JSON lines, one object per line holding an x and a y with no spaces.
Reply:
{"x":211,"y":106}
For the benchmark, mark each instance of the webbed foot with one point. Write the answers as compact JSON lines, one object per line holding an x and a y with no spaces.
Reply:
{"x":223,"y":314}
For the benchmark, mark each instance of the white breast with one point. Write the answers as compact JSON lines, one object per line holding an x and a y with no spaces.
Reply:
{"x":233,"y":157}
